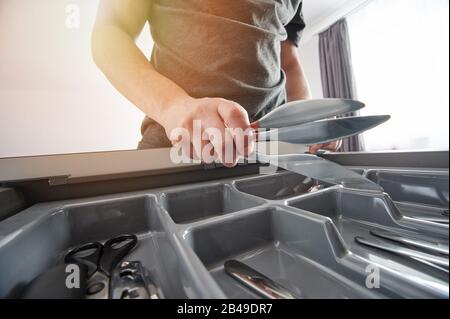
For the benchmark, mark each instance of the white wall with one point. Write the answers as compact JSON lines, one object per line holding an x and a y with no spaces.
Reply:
{"x":309,"y":56}
{"x":53,"y":99}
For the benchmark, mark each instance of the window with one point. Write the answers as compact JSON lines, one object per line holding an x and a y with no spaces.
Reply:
{"x":400,"y":53}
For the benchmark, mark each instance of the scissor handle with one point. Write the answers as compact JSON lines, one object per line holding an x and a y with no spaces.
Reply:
{"x":91,"y":260}
{"x":113,"y":252}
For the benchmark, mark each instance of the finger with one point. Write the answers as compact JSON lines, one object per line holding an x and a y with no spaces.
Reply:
{"x":214,"y":129}
{"x":249,"y":142}
{"x":230,"y":158}
{"x":244,"y":141}
{"x":314,"y":148}
{"x":201,"y":150}
{"x":236,"y":117}
{"x":328,"y":147}
{"x":186,"y":149}
{"x":208,"y":154}
{"x":233,"y":115}
{"x":332,"y":146}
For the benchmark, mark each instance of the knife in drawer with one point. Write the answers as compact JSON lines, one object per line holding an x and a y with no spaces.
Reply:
{"x":429,"y":218}
{"x":256,"y":281}
{"x":319,"y":169}
{"x":433,"y":247}
{"x":405,"y":252}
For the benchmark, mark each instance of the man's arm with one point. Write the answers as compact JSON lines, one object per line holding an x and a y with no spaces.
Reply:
{"x":118,"y":24}
{"x":297,"y":86}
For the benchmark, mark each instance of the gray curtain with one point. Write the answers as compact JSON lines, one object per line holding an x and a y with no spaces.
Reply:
{"x":337,"y":73}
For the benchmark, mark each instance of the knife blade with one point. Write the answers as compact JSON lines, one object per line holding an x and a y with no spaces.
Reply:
{"x":323,"y":131}
{"x":299,"y":112}
{"x":429,"y":218}
{"x":431,"y":265}
{"x":256,"y":281}
{"x":405,"y":252}
{"x":319,"y":169}
{"x":434,"y":247}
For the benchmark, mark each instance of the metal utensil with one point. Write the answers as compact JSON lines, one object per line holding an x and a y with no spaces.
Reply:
{"x":433,"y":247}
{"x":429,"y":218}
{"x":131,"y":280}
{"x":323,"y":131}
{"x":405,"y":252}
{"x":320,"y":169}
{"x":432,"y":265}
{"x":299,"y":112}
{"x":101,"y":260}
{"x":256,"y":281}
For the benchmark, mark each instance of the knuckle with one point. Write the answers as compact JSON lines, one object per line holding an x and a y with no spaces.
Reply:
{"x":202,"y":110}
{"x":186,"y":123}
{"x":234,"y":111}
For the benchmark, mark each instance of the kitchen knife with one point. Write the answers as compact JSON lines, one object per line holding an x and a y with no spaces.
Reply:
{"x":433,"y":247}
{"x":323,"y":131}
{"x":256,"y":281}
{"x":405,"y":252}
{"x":429,"y":218}
{"x":319,"y":169}
{"x":432,"y":265}
{"x":299,"y":112}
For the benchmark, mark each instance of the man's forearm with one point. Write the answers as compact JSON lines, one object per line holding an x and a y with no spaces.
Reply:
{"x":297,"y":86}
{"x":132,"y":74}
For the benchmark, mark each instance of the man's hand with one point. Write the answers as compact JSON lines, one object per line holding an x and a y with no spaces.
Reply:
{"x":331,"y":146}
{"x":210,"y":113}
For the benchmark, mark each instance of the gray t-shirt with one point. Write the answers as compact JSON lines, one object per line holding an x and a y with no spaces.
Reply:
{"x":226,"y":48}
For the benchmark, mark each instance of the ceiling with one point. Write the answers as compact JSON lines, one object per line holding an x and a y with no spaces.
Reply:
{"x":320,"y":14}
{"x":317,"y":10}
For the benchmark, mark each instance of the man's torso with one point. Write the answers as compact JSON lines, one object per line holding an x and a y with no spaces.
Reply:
{"x":223,"y":48}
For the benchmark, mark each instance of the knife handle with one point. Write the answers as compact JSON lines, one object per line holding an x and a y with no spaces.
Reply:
{"x":256,"y":281}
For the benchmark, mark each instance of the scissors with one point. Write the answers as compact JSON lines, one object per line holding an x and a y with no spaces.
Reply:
{"x":101,"y":261}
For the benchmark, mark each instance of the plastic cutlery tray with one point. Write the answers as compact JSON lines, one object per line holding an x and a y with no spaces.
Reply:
{"x":416,"y":193}
{"x":292,"y":229}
